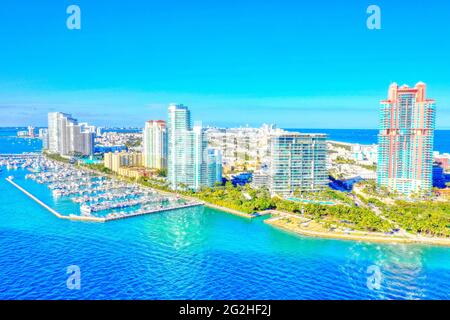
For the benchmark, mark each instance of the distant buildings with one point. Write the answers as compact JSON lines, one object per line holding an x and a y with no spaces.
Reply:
{"x":43,"y":135}
{"x":187,"y":151}
{"x":405,"y":140}
{"x":243,"y":149}
{"x":112,"y":141}
{"x":274,"y":158}
{"x":155,"y":144}
{"x":297,"y":163}
{"x":442,"y":159}
{"x":348,"y":163}
{"x":364,"y":154}
{"x":99,"y":131}
{"x":29,"y":133}
{"x":214,"y":166}
{"x":67,"y":137}
{"x":86,"y":138}
{"x":260,"y":178}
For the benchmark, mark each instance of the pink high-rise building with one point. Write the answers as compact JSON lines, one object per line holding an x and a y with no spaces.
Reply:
{"x":405,"y":140}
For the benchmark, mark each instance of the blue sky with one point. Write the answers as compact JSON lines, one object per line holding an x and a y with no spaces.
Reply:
{"x":300,"y":64}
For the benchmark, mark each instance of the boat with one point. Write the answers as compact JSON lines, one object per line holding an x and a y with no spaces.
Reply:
{"x":85,"y":210}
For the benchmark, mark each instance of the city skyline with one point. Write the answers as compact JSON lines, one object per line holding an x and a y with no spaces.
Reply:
{"x":263,"y":58}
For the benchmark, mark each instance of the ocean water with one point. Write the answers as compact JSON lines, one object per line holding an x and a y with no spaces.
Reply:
{"x":197,"y":253}
{"x":369,"y":136}
{"x":10,"y":143}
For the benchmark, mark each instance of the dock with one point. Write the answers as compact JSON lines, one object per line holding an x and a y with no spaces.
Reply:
{"x":19,"y":155}
{"x":97,"y":219}
{"x":53,"y":211}
{"x":154,"y":211}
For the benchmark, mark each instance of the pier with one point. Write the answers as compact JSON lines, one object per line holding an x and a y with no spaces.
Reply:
{"x":19,"y":155}
{"x":153,"y":211}
{"x":54,"y":212}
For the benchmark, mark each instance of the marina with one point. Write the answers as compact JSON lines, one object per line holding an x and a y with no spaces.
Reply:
{"x":97,"y":198}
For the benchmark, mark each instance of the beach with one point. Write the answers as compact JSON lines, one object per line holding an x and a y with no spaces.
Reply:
{"x":318,"y":231}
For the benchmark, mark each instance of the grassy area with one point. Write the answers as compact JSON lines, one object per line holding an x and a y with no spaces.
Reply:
{"x":155,"y":184}
{"x":344,"y":216}
{"x":343,"y":146}
{"x":429,"y":218}
{"x":55,"y":157}
{"x":371,"y":167}
{"x":97,"y":167}
{"x":239,"y":198}
{"x":370,"y":188}
{"x":326,"y":194}
{"x":133,"y":143}
{"x":342,"y":160}
{"x":426,"y":217}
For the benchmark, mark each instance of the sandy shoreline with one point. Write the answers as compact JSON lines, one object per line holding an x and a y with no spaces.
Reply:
{"x":279,"y":223}
{"x":232,"y":211}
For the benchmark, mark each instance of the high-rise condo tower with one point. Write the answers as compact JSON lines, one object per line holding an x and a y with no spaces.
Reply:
{"x":405,"y":140}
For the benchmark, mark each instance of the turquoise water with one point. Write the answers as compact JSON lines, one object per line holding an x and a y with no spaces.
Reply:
{"x":197,"y":253}
{"x":10,"y":143}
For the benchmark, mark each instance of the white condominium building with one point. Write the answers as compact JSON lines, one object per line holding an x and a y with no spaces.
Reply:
{"x":214,"y":166}
{"x":155,"y":144}
{"x":187,"y":151}
{"x":298,"y":163}
{"x":67,"y":137}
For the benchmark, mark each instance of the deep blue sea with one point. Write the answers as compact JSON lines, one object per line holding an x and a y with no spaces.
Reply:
{"x":196,"y":253}
{"x":369,"y":136}
{"x":10,"y":143}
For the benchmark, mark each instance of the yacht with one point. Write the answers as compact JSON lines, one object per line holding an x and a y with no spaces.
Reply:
{"x":85,"y":210}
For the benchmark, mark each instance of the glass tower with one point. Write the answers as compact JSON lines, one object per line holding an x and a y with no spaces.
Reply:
{"x":187,"y":151}
{"x":298,"y":163}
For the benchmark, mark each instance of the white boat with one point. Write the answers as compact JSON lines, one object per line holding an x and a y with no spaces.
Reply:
{"x":85,"y":210}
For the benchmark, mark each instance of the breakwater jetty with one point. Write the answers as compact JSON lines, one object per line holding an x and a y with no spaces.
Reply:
{"x":131,"y":215}
{"x":53,"y":211}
